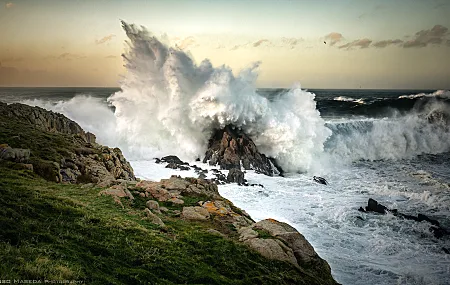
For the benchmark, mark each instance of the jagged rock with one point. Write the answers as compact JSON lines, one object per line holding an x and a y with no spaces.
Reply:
{"x":83,"y":160}
{"x":172,"y":165}
{"x":195,"y":213}
{"x":155,"y":190}
{"x":436,"y":229}
{"x":14,"y":154}
{"x":235,"y":176}
{"x":154,"y":218}
{"x":229,"y":147}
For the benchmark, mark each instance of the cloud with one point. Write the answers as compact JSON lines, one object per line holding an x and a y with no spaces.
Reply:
{"x":424,"y":37}
{"x":362,"y":43}
{"x":291,"y":42}
{"x":105,"y":39}
{"x":260,"y":42}
{"x":334,"y":38}
{"x":11,"y":59}
{"x":186,"y":42}
{"x":111,"y":56}
{"x":9,"y":5}
{"x":385,"y":43}
{"x":66,"y":56}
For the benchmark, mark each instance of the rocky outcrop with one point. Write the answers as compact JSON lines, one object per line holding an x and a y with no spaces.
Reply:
{"x":272,"y":239}
{"x":278,"y":240}
{"x":45,"y":120}
{"x":436,"y":229}
{"x":230,"y":148}
{"x":14,"y":154}
{"x":235,"y":176}
{"x":58,"y":148}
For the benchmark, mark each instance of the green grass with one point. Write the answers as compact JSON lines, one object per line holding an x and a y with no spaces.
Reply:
{"x":63,"y":231}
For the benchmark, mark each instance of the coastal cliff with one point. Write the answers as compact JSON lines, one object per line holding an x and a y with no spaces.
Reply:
{"x":71,"y":209}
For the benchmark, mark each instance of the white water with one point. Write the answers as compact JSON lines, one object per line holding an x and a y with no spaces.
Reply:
{"x":170,"y":105}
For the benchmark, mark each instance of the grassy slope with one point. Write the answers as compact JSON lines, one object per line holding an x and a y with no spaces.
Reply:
{"x":58,"y":231}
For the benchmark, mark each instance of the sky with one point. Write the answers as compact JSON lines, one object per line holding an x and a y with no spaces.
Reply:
{"x":370,"y":44}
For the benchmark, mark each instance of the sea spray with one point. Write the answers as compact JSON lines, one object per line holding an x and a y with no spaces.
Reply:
{"x":170,"y":105}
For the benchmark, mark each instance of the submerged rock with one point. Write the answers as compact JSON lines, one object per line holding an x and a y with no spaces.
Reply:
{"x":436,"y":229}
{"x":230,"y":148}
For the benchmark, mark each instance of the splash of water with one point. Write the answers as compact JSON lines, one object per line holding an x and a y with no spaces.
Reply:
{"x":170,"y":105}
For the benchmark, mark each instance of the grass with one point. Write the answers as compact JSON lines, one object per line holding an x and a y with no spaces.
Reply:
{"x":68,"y":232}
{"x":63,"y":231}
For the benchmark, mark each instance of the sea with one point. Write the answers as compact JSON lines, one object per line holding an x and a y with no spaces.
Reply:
{"x":389,"y":145}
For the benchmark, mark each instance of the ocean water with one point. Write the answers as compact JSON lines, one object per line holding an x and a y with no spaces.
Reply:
{"x":377,"y":144}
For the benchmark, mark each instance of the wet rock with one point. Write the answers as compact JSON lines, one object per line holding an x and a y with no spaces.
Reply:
{"x":229,"y":147}
{"x":235,"y":176}
{"x":436,"y":229}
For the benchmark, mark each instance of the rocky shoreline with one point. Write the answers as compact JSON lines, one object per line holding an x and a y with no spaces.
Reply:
{"x":58,"y":149}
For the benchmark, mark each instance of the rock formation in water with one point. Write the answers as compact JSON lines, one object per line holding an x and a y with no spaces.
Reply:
{"x":374,"y":206}
{"x":231,"y":148}
{"x":57,"y":148}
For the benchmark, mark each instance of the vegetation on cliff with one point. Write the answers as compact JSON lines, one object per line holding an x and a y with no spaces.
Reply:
{"x":137,"y":233}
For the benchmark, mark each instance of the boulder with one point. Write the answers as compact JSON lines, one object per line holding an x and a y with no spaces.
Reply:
{"x":14,"y":154}
{"x":195,"y":213}
{"x":153,"y":206}
{"x":153,"y":218}
{"x":229,"y":147}
{"x":235,"y":176}
{"x":277,"y":240}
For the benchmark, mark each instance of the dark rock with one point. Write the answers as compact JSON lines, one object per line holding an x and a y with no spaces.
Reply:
{"x":229,"y":147}
{"x":235,"y":176}
{"x":182,"y":167}
{"x":172,"y":165}
{"x":373,"y":206}
{"x":173,"y":159}
{"x":436,"y":229}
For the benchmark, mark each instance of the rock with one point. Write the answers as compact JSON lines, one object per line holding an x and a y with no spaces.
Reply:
{"x":215,"y":232}
{"x":302,"y":249}
{"x":272,"y":249}
{"x":25,"y":166}
{"x":116,"y":190}
{"x":176,"y":201}
{"x":164,"y":209}
{"x":246,"y":233}
{"x":172,"y":165}
{"x":184,"y":168}
{"x":155,"y":190}
{"x":195,"y":213}
{"x":235,"y":176}
{"x":129,"y":195}
{"x":14,"y":154}
{"x":154,"y":218}
{"x":436,"y":229}
{"x":373,"y":206}
{"x":153,"y":205}
{"x":173,"y":159}
{"x":229,"y":147}
{"x":42,"y":119}
{"x":90,"y":138}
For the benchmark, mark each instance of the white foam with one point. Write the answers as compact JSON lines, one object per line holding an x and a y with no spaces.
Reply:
{"x":348,"y":99}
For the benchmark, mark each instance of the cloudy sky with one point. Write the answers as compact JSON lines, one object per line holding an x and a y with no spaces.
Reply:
{"x":321,"y":44}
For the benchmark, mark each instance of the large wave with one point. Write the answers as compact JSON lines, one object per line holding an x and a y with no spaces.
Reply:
{"x":424,"y":129}
{"x":170,"y":105}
